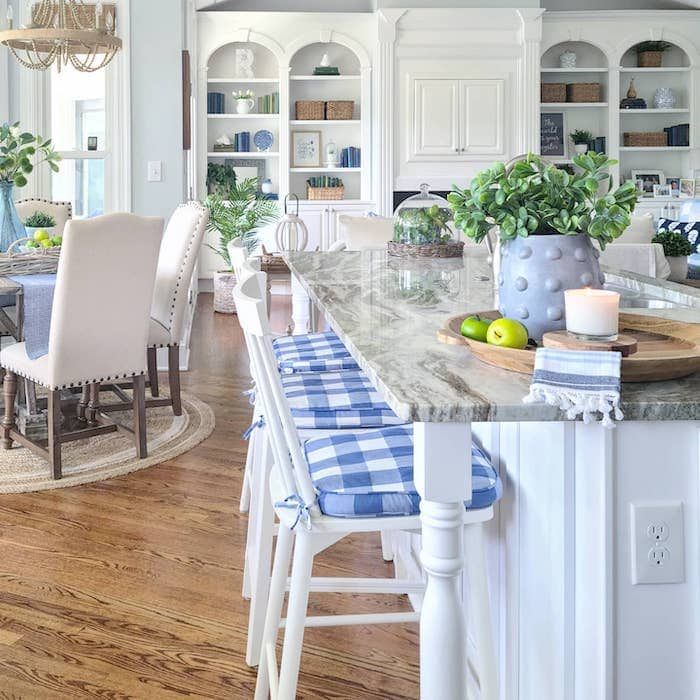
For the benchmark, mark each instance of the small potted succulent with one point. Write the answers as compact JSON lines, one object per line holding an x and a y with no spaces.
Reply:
{"x":581,"y":139}
{"x":650,"y":53}
{"x":546,"y":219}
{"x":40,"y":229}
{"x":244,"y":101}
{"x":677,"y":248}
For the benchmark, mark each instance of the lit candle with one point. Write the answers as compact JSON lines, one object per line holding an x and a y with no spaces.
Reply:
{"x":592,"y":313}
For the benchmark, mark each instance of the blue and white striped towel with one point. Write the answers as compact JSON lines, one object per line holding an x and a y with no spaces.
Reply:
{"x":582,"y":383}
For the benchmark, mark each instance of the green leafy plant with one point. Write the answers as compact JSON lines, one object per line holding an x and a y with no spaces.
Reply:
{"x":534,"y":197}
{"x":239,"y":213}
{"x":675,"y":245}
{"x":423,"y":226}
{"x":220,"y":178}
{"x":645,"y":46}
{"x":581,"y":136}
{"x":21,"y":152}
{"x":40,"y":220}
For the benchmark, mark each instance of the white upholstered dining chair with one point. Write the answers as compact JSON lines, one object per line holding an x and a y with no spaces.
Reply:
{"x":62,"y":212}
{"x":363,"y":232}
{"x":99,"y":326}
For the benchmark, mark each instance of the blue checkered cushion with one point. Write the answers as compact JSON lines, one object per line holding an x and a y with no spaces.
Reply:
{"x":336,"y":400}
{"x":363,"y":475}
{"x":316,"y":352}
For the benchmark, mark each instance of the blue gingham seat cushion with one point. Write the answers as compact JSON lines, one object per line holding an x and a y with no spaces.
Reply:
{"x":370,"y":474}
{"x":315,"y":352}
{"x":336,"y":400}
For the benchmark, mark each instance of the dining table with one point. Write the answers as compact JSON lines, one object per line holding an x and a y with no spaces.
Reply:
{"x":563,"y":605}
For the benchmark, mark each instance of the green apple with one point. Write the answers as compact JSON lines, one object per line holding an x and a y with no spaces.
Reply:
{"x":41,"y":235}
{"x":475,"y":327}
{"x":46,"y":243}
{"x":507,"y":333}
{"x":57,"y":240}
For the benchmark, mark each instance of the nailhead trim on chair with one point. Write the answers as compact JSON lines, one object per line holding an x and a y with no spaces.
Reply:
{"x":48,"y":201}
{"x":85,"y":382}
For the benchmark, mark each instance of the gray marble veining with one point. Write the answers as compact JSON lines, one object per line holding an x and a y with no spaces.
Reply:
{"x":388,"y":311}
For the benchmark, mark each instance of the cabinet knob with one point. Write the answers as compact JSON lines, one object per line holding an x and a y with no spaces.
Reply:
{"x":456,"y":150}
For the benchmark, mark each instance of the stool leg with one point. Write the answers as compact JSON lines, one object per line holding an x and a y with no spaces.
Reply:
{"x":387,"y":546}
{"x":83,"y":403}
{"x":152,"y":355}
{"x":174,"y":378}
{"x":480,"y":610}
{"x":93,"y":403}
{"x":55,"y":434}
{"x":140,"y":416}
{"x":9,"y":396}
{"x":278,"y":585}
{"x":296,"y":614}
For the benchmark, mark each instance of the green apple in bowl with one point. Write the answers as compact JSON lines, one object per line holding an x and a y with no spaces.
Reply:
{"x":507,"y":333}
{"x":41,"y":235}
{"x":475,"y":328}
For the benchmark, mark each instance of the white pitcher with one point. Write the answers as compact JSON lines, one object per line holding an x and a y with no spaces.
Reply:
{"x":244,"y":105}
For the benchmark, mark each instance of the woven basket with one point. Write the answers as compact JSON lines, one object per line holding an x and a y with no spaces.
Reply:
{"x":271,"y":263}
{"x":39,"y":261}
{"x":454,"y":249}
{"x":649,"y":59}
{"x":583,"y":92}
{"x":324,"y":193}
{"x":553,"y":92}
{"x":224,"y":284}
{"x":340,"y":109}
{"x":310,"y":109}
{"x":645,"y":138}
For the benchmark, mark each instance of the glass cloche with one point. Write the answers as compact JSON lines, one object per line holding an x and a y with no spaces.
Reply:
{"x":424,"y":219}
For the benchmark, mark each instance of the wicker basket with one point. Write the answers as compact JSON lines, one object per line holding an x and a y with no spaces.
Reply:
{"x":649,"y":59}
{"x":453,"y":249}
{"x":224,"y":284}
{"x":553,"y":92}
{"x":324,"y":193}
{"x":271,"y":263}
{"x":583,"y":92}
{"x":645,"y":138}
{"x":340,"y":109}
{"x":310,"y":109}
{"x":39,"y":261}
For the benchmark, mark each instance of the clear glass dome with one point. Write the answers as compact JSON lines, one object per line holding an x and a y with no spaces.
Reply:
{"x":424,"y":219}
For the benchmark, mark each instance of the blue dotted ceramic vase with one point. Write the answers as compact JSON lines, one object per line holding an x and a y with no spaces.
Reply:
{"x":11,"y":227}
{"x":534,"y":273}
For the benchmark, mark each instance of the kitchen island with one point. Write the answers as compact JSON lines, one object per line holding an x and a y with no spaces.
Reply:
{"x":569,"y":620}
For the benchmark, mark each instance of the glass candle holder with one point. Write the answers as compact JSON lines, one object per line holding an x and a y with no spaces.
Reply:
{"x":592,"y":314}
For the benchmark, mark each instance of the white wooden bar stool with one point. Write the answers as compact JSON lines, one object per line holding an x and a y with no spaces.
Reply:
{"x":329,"y":487}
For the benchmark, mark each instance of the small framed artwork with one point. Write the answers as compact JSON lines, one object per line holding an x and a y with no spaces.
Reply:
{"x":553,"y":134}
{"x":92,"y":143}
{"x":646,"y":179}
{"x":662,"y":190}
{"x":247,"y":168}
{"x":306,"y":149}
{"x":687,"y":188}
{"x":674,"y":184}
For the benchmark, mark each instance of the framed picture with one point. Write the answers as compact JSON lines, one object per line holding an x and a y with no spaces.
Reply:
{"x":246,"y":168}
{"x":646,"y":179}
{"x":306,"y":149}
{"x":662,"y":190}
{"x":92,"y":143}
{"x":674,"y":184}
{"x":553,"y":134}
{"x":687,"y":188}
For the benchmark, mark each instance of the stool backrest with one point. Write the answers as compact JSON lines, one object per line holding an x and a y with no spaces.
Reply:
{"x":102,"y":301}
{"x":178,"y":254}
{"x":284,"y":438}
{"x":238,"y":253}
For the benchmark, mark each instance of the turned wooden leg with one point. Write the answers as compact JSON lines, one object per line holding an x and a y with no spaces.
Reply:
{"x":83,"y":403}
{"x":54,"y":446}
{"x":93,"y":403}
{"x":9,"y":396}
{"x":140,"y":416}
{"x":152,"y":354}
{"x":174,"y":378}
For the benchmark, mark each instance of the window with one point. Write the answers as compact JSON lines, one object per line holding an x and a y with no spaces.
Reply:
{"x":78,"y":131}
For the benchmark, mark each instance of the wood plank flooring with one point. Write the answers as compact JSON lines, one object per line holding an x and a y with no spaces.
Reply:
{"x":130,"y":588}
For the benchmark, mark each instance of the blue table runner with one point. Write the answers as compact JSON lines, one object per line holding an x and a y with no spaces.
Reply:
{"x":38,"y":303}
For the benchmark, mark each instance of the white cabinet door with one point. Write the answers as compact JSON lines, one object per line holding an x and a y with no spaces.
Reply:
{"x":435,"y":117}
{"x":481,"y":117}
{"x":316,"y":219}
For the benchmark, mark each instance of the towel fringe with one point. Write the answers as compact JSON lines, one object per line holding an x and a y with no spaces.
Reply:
{"x":577,"y":403}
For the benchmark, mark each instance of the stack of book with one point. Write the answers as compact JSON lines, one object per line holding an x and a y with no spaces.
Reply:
{"x":215,"y":103}
{"x":350,"y":157}
{"x":324,"y":181}
{"x":269,"y":104}
{"x":597,"y":145}
{"x":326,"y":70}
{"x":678,"y":135}
{"x":633,"y":103}
{"x":241,"y":142}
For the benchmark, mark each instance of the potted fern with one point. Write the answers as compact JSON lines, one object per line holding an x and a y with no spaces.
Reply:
{"x":547,"y":219}
{"x":677,"y":248}
{"x":581,"y":139}
{"x":650,"y":53}
{"x":239,"y":212}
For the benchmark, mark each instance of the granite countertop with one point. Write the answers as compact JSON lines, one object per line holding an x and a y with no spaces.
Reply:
{"x":387,"y":311}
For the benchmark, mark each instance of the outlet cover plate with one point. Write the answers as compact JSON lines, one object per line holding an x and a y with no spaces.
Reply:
{"x":658,"y":547}
{"x":155,"y":171}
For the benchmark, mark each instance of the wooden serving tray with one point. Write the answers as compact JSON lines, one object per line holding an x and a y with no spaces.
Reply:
{"x":666,"y":349}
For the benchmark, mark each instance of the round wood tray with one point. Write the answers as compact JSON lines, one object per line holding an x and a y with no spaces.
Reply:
{"x":666,"y":349}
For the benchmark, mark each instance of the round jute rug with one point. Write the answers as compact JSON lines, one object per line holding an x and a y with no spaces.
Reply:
{"x":110,"y":455}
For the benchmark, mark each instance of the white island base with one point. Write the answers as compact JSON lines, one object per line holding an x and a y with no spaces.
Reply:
{"x":569,"y":622}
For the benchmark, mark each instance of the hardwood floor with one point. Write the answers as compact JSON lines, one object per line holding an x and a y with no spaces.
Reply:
{"x":130,"y":588}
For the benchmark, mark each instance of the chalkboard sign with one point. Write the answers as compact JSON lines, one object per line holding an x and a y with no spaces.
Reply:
{"x":552,"y":134}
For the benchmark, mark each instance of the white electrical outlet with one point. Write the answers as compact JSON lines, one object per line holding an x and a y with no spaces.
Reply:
{"x":657,"y":542}
{"x":155,"y":170}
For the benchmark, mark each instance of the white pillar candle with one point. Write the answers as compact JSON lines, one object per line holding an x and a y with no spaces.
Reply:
{"x":592,"y":312}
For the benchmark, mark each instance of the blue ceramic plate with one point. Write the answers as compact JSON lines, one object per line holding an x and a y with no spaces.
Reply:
{"x":263,"y":139}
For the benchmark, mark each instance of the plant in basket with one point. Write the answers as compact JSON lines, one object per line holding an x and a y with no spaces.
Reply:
{"x":547,"y":221}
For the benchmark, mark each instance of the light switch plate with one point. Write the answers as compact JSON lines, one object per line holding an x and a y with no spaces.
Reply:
{"x":657,"y":542}
{"x":155,"y":170}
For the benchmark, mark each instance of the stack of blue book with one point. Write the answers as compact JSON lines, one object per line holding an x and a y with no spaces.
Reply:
{"x":678,"y":135}
{"x":241,"y":142}
{"x":350,"y":157}
{"x":215,"y":103}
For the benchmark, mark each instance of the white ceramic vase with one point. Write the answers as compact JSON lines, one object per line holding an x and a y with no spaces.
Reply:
{"x":679,"y":268}
{"x":243,"y":106}
{"x":567,"y":60}
{"x":664,"y":98}
{"x":581,"y":147}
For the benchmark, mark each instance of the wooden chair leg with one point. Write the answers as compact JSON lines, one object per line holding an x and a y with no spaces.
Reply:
{"x":83,"y":403}
{"x":54,"y":420}
{"x":152,"y":354}
{"x":174,"y":378}
{"x":9,"y":396}
{"x":140,"y":416}
{"x":93,"y":403}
